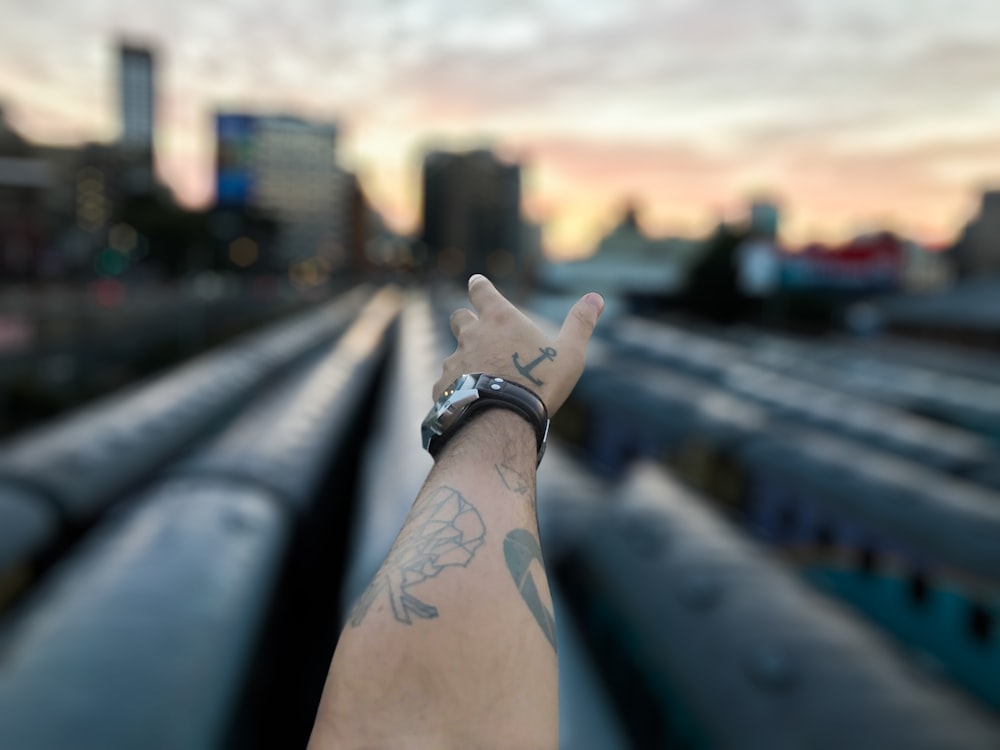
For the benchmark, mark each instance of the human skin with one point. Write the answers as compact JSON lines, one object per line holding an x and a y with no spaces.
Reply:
{"x":453,"y":644}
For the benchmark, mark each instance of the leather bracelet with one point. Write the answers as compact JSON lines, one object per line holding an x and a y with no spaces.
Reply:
{"x":496,"y":392}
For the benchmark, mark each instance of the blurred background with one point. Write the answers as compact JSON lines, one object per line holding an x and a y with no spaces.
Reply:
{"x":230,"y":239}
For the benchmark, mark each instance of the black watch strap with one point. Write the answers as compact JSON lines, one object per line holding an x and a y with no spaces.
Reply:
{"x":498,"y":393}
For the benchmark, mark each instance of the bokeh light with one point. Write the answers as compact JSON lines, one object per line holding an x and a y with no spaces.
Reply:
{"x":243,"y":252}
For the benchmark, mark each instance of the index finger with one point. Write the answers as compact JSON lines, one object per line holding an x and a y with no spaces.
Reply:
{"x":484,"y":296}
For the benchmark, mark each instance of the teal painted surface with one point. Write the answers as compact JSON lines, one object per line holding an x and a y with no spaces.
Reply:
{"x":938,"y":626}
{"x":684,"y":728}
{"x":627,"y":644}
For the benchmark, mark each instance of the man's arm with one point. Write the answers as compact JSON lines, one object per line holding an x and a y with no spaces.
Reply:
{"x":453,"y":644}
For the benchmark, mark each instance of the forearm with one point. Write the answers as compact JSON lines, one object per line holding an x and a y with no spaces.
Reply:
{"x":453,"y":644}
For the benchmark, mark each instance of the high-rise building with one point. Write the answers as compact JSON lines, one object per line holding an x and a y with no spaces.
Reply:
{"x":285,"y":167}
{"x":137,"y":94}
{"x":56,"y":204}
{"x":978,"y":250}
{"x":472,"y":214}
{"x":138,"y":100}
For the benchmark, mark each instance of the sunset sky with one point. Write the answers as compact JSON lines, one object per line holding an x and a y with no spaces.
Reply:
{"x":854,"y":113}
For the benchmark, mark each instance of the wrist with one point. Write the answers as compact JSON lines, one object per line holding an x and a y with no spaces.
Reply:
{"x":493,"y":434}
{"x":472,"y":394}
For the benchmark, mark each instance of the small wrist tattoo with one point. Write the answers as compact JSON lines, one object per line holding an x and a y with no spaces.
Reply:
{"x":512,"y":479}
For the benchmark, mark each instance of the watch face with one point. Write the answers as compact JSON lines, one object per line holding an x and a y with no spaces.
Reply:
{"x":456,"y":400}
{"x":461,"y":383}
{"x":447,"y":409}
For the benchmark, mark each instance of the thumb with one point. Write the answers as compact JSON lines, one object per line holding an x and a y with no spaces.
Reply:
{"x":581,"y":319}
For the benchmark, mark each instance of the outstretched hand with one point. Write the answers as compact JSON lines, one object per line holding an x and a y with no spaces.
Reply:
{"x":498,"y":339}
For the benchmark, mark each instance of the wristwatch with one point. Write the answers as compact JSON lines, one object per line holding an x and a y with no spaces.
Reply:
{"x":476,"y":392}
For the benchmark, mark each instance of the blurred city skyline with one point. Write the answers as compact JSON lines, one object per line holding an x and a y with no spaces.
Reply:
{"x":853,"y":115}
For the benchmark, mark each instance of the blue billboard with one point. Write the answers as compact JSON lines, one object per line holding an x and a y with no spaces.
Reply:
{"x":234,"y":159}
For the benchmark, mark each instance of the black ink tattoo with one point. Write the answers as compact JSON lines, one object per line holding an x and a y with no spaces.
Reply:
{"x":520,"y":549}
{"x":513,"y":480}
{"x":445,"y":531}
{"x":548,"y":353}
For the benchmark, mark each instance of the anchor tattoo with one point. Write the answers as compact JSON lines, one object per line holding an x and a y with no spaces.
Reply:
{"x":548,"y":353}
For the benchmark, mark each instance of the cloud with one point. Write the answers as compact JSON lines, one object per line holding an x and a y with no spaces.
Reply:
{"x":841,"y":105}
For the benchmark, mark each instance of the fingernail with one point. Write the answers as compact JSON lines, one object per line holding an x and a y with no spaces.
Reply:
{"x":475,"y":277}
{"x":596,"y":301}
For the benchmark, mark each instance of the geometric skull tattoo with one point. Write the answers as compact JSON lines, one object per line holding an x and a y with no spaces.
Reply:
{"x":445,"y":532}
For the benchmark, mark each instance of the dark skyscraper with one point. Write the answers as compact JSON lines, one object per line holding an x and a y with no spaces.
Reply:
{"x":138,"y":114}
{"x":472,"y":214}
{"x":137,"y":98}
